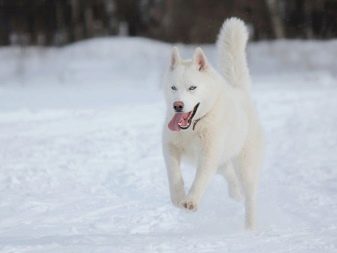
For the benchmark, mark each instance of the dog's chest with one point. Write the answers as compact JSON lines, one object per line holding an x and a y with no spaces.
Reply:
{"x":191,"y":146}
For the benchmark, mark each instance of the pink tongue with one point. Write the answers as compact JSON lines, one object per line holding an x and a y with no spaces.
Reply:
{"x":179,"y":117}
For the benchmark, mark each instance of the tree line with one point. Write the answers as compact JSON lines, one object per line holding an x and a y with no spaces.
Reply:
{"x":58,"y":22}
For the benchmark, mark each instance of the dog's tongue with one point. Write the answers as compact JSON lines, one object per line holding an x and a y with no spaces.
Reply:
{"x":179,"y":118}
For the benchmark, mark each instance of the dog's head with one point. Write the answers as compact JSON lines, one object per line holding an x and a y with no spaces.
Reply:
{"x":189,"y":89}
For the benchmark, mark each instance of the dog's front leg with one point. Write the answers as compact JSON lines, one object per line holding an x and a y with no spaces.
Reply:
{"x":176,"y":183}
{"x":208,"y":165}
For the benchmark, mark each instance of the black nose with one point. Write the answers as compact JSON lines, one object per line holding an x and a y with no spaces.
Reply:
{"x":178,"y":106}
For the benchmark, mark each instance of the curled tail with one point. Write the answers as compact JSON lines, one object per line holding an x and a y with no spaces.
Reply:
{"x":231,"y":45}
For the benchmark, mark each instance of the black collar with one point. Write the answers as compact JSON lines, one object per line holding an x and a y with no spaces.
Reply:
{"x":196,"y":121}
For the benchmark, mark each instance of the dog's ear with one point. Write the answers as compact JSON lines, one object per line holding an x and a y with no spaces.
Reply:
{"x":175,"y":58}
{"x":200,"y":59}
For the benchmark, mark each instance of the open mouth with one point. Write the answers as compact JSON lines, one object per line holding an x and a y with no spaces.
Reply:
{"x":182,"y":120}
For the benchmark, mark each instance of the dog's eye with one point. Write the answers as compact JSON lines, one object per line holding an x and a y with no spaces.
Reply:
{"x":173,"y":87}
{"x":192,"y":87}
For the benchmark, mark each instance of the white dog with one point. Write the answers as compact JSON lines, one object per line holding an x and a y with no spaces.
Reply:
{"x":211,"y":120}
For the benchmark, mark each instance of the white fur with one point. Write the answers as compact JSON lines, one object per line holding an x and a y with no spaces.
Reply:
{"x":228,"y":138}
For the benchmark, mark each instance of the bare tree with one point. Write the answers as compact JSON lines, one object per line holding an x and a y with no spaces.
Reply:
{"x":277,"y":24}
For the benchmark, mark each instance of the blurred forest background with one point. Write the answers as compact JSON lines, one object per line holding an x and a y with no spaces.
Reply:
{"x":59,"y":22}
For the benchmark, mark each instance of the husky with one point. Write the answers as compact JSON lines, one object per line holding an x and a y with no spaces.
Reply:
{"x":212,"y":121}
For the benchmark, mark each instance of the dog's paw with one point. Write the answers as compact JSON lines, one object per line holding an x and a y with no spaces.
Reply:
{"x":177,"y":197}
{"x":189,"y":204}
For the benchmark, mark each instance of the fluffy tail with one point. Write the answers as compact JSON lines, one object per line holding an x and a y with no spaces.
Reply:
{"x":231,"y":47}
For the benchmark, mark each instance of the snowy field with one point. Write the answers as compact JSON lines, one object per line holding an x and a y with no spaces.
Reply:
{"x":81,"y":168}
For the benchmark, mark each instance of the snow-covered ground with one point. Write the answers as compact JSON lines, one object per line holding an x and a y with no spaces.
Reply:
{"x":81,"y":168}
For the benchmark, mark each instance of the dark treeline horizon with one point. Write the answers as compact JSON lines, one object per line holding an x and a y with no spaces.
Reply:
{"x":59,"y":22}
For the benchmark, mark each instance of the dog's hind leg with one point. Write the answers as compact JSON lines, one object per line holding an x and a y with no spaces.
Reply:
{"x":234,"y":187}
{"x":249,"y":161}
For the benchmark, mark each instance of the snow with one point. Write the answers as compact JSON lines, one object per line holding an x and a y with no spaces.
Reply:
{"x":81,"y":164}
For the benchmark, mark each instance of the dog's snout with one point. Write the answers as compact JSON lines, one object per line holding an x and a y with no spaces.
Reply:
{"x":178,"y":106}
